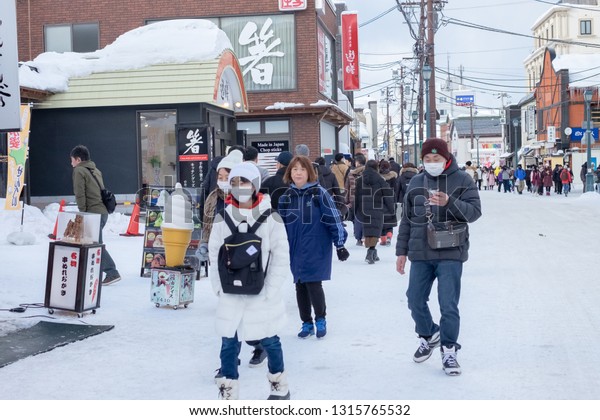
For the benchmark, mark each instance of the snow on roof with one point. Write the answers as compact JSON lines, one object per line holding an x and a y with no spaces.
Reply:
{"x":283,"y":105}
{"x":584,"y":69}
{"x":171,"y":41}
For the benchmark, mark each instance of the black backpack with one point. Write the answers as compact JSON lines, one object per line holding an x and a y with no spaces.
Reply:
{"x":240,"y":259}
{"x":108,"y":198}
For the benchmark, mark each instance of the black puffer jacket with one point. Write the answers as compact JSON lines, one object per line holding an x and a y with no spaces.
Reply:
{"x":373,"y":200}
{"x":463,"y":205}
{"x":402,"y":182}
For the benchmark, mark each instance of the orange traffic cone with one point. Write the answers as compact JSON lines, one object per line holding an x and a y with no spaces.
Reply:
{"x":134,"y":222}
{"x":60,"y":209}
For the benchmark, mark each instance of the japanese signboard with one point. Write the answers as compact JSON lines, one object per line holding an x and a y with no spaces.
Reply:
{"x":65,"y":269}
{"x":292,"y":5}
{"x":18,"y":146}
{"x":194,"y":142}
{"x":350,"y":63}
{"x":10,"y":98}
{"x":325,"y":63}
{"x":268,"y":152}
{"x":465,"y":100}
{"x":266,"y":48}
{"x":92,"y":277}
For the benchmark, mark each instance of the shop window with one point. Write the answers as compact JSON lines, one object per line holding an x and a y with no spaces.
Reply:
{"x":80,"y":37}
{"x":276,"y":127}
{"x":158,"y":147}
{"x":585,"y":27}
{"x":250,"y":127}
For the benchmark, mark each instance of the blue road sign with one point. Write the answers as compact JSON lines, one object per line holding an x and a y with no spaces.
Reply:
{"x":463,"y":100}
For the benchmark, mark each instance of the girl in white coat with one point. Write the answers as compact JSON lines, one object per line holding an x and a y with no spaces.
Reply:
{"x":251,"y":317}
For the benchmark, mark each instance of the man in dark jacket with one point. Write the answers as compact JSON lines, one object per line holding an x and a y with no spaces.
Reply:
{"x":373,"y":200}
{"x":274,"y":185}
{"x":89,"y":200}
{"x":450,"y":195}
{"x":328,"y":181}
{"x":394,"y":166}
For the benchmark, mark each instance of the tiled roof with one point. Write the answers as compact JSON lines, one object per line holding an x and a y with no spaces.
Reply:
{"x":482,"y":126}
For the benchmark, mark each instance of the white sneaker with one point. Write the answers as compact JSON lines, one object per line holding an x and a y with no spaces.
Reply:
{"x":449,"y":362}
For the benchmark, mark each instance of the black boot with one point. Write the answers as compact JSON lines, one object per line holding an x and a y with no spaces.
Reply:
{"x":370,"y":258}
{"x":375,"y":256}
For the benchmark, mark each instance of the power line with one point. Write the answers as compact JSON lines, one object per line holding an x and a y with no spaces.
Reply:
{"x":572,"y":6}
{"x":377,"y":17}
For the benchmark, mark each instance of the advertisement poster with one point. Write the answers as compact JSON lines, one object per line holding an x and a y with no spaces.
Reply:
{"x":18,"y":149}
{"x":350,"y":64}
{"x":194,"y":143}
{"x":65,"y":266}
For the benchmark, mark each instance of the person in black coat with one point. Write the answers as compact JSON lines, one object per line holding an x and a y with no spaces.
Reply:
{"x":389,"y":220}
{"x":328,"y":181}
{"x":373,"y":200}
{"x":442,"y":193}
{"x":274,"y":185}
{"x":394,"y":166}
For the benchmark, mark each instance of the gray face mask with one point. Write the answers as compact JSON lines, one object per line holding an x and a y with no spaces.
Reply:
{"x":434,"y":168}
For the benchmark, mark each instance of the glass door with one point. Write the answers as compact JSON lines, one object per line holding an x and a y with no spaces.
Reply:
{"x":158,"y":147}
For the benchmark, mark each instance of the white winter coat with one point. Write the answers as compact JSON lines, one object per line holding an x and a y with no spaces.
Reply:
{"x":253,"y":316}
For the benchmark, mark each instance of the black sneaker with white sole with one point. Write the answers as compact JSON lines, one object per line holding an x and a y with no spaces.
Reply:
{"x":426,"y":347}
{"x":449,"y":362}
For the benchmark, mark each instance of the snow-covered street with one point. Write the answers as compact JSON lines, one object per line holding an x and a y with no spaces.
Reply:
{"x":530,"y":320}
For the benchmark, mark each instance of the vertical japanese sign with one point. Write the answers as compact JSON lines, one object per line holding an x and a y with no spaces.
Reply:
{"x":194,"y":142}
{"x":350,"y":62}
{"x":65,"y":269}
{"x":10,"y":98}
{"x":325,"y":63}
{"x":18,"y":147}
{"x":292,"y":5}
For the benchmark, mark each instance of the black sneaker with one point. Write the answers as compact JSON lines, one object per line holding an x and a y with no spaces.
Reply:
{"x":258,"y":357}
{"x":426,"y":347}
{"x":359,"y":242}
{"x":449,"y":362}
{"x":113,"y":278}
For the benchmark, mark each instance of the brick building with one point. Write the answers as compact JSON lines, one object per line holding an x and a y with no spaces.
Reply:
{"x":287,"y":59}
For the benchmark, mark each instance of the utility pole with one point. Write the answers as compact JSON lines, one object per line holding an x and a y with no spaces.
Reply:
{"x":388,"y":97}
{"x":429,"y":50}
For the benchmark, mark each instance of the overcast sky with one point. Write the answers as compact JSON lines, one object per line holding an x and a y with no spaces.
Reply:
{"x":486,"y":56}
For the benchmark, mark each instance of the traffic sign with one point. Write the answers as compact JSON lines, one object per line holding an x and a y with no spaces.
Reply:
{"x":465,"y":100}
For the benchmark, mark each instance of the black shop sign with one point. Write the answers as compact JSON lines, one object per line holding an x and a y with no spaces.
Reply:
{"x":194,"y":143}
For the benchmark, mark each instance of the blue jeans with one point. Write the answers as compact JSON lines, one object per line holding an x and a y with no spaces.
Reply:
{"x":108,"y":264}
{"x":230,"y":350}
{"x":566,"y":188}
{"x":422,"y":275}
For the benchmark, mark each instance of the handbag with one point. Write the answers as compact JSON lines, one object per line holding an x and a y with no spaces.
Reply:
{"x":108,"y":198}
{"x":441,"y":235}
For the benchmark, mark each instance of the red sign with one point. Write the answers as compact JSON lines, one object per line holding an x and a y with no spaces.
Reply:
{"x":193,"y":158}
{"x":321,"y":59}
{"x":287,"y":5}
{"x":350,"y":50}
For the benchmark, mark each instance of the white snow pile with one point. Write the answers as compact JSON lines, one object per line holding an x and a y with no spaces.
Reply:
{"x":321,"y":102}
{"x":171,"y":41}
{"x":583,"y":69}
{"x":283,"y":105}
{"x":34,"y":223}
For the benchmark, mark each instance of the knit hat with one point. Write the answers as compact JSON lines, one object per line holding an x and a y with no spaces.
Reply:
{"x":246,"y":170}
{"x":302,"y":150}
{"x":232,"y":159}
{"x":285,"y":158}
{"x":435,"y":146}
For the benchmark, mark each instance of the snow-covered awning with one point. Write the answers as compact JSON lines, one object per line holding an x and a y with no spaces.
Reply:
{"x":506,"y":155}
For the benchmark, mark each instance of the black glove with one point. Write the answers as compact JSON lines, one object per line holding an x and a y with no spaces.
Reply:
{"x":342,"y":254}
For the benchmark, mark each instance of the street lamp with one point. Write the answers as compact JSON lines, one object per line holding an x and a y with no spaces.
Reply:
{"x":404,"y":157}
{"x":515,"y":123}
{"x":426,"y":77}
{"x":477,"y":140}
{"x":589,"y":176}
{"x":415,"y":116}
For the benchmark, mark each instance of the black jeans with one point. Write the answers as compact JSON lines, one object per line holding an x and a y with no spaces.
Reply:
{"x":310,"y":295}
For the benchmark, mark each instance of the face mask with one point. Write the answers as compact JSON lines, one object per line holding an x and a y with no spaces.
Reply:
{"x":242,"y":194}
{"x":434,"y":168}
{"x":225,"y":186}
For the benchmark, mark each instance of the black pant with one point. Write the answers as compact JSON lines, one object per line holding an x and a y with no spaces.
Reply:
{"x":310,"y":295}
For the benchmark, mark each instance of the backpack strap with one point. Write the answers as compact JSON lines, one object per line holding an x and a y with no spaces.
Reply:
{"x":260,"y":221}
{"x":232,"y":227}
